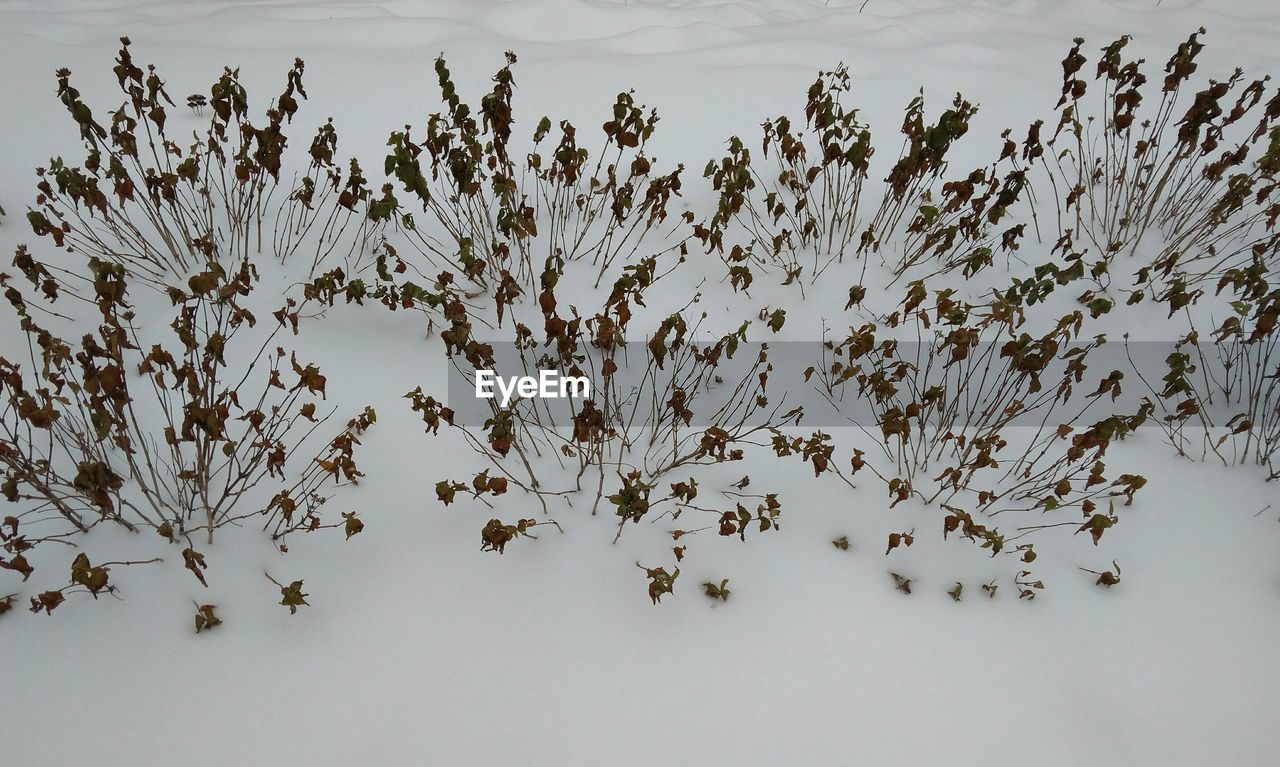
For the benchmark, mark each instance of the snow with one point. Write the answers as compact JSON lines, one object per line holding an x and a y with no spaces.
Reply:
{"x":421,"y":649}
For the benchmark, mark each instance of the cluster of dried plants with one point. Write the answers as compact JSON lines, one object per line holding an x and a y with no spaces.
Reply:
{"x":495,"y":210}
{"x":658,"y":412}
{"x":164,"y":205}
{"x":979,"y":416}
{"x":804,"y":197}
{"x":1180,"y":193}
{"x":173,"y":432}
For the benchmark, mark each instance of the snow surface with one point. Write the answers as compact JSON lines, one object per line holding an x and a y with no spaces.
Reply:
{"x":420,"y":649}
